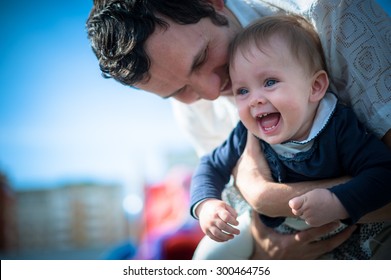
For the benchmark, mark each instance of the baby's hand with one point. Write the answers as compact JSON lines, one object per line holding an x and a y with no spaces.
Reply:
{"x":216,"y":220}
{"x":318,"y":207}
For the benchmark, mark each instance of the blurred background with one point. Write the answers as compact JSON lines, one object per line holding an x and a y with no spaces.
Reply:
{"x":89,"y":169}
{"x":79,"y":153}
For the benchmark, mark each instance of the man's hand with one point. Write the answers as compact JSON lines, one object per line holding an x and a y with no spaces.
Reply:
{"x":216,"y":220}
{"x":304,"y":245}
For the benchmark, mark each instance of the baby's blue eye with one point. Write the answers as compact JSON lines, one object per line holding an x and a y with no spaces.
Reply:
{"x":270,"y":82}
{"x":242,"y":91}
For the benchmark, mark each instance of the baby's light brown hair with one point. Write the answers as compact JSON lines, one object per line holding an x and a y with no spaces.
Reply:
{"x":300,"y":36}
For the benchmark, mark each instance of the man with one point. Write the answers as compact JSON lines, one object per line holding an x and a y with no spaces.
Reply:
{"x":178,"y":49}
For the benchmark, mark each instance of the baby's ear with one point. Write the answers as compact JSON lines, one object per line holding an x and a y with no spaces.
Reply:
{"x":320,"y":85}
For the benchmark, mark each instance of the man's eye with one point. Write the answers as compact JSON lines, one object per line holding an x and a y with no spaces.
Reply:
{"x":202,"y":59}
{"x":242,"y":91}
{"x":270,"y":82}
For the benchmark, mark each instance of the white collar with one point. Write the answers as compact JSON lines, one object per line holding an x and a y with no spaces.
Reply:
{"x":323,"y":114}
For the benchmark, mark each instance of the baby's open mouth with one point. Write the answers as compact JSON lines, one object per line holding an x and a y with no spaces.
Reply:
{"x":268,"y":121}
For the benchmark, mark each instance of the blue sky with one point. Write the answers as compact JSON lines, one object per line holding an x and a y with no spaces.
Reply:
{"x":59,"y":119}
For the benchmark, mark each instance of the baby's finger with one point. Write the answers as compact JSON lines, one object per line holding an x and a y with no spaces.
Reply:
{"x":297,"y":212}
{"x":228,"y":215}
{"x":217,"y":235}
{"x":227,"y":228}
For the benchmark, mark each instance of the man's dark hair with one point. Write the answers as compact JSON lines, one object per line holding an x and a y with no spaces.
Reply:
{"x":118,"y":30}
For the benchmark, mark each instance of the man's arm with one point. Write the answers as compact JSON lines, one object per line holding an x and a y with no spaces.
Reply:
{"x":270,"y":198}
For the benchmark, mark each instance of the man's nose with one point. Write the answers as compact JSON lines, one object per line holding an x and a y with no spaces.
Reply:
{"x":207,"y":87}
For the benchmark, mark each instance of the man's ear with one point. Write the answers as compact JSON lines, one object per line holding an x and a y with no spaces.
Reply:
{"x":217,"y":4}
{"x":320,"y":84}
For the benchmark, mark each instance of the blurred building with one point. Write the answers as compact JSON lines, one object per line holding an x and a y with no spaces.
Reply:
{"x":71,"y":217}
{"x":95,"y":220}
{"x":7,"y":218}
